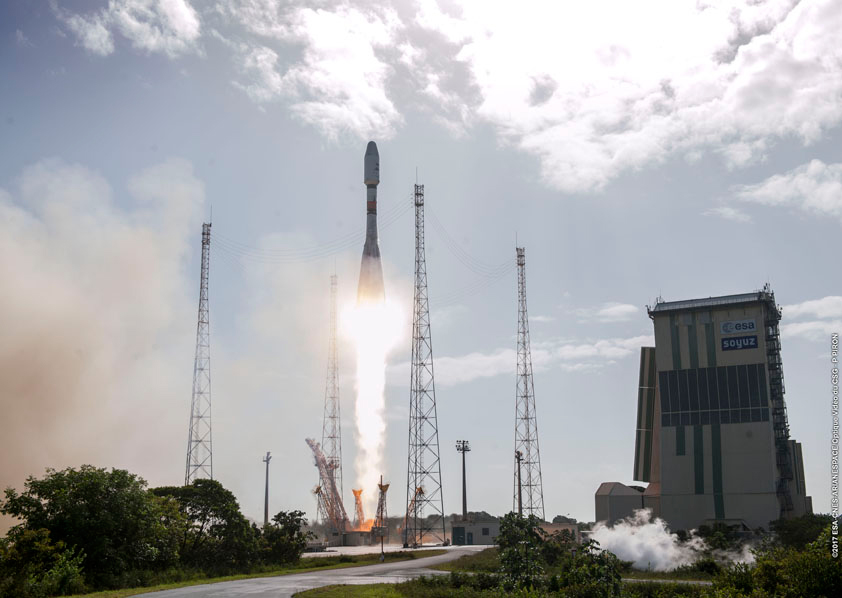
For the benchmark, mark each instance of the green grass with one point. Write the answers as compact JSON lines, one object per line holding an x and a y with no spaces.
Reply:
{"x":381,"y":590}
{"x":486,"y":561}
{"x":305,"y":565}
{"x":415,"y":589}
{"x":670,"y":575}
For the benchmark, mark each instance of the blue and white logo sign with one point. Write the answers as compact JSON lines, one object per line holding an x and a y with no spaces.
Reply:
{"x":737,"y":326}
{"x":739,"y":342}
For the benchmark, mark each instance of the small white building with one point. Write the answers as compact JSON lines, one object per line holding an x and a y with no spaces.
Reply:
{"x":616,"y":501}
{"x":470,"y":533}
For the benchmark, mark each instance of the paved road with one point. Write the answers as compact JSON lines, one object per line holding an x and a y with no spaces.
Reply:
{"x":284,"y":586}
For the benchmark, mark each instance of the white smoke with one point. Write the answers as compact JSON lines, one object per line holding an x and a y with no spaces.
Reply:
{"x":649,"y":544}
{"x":95,"y":287}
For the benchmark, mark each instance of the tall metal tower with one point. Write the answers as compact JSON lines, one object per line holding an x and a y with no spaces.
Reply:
{"x":526,"y":419}
{"x":425,"y":506}
{"x":331,"y":424}
{"x":199,"y":447}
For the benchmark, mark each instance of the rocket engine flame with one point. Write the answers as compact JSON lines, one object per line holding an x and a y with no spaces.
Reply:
{"x":374,"y":329}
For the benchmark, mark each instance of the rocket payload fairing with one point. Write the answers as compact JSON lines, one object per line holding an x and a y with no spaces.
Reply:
{"x":371,"y":272}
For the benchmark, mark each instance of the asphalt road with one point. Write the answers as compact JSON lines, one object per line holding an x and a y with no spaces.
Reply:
{"x":284,"y":586}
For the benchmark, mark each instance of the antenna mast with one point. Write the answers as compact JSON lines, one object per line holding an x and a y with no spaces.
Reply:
{"x":526,"y":420}
{"x":199,"y":447}
{"x":423,"y":480}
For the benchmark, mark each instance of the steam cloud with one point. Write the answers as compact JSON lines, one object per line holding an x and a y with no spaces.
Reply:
{"x":650,"y":545}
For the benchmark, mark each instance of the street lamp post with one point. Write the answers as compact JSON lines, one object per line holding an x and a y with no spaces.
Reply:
{"x":266,"y":460}
{"x":463,"y":446}
{"x":519,"y":457}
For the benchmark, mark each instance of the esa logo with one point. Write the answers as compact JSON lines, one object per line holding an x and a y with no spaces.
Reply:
{"x":739,"y":342}
{"x":737,"y":326}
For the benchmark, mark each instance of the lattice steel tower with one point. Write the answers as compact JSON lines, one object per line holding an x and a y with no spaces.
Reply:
{"x":199,"y":447}
{"x":425,"y":506}
{"x":331,"y":424}
{"x":526,"y":420}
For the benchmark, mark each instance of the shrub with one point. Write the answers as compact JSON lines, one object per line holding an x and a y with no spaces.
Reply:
{"x":31,"y":566}
{"x":285,"y":538}
{"x":108,"y":515}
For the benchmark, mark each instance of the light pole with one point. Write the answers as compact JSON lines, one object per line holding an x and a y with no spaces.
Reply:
{"x":519,"y":458}
{"x":463,"y":446}
{"x":266,"y":460}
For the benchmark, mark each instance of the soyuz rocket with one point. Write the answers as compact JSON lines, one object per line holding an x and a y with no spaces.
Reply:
{"x":371,"y":272}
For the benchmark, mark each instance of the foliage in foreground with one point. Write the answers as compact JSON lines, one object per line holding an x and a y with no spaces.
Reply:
{"x":527,"y":552}
{"x":90,"y":528}
{"x":786,"y":572}
{"x":569,"y":569}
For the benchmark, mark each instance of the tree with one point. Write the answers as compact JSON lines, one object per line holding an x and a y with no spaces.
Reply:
{"x":33,"y":566}
{"x":107,"y":515}
{"x":216,"y":536}
{"x":590,"y":571}
{"x":285,"y":538}
{"x":786,"y":572}
{"x":800,"y":531}
{"x":520,"y":550}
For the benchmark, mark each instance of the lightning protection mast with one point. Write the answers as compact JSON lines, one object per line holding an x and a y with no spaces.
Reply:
{"x":331,"y":424}
{"x":425,"y":507}
{"x":526,"y":420}
{"x":199,"y":447}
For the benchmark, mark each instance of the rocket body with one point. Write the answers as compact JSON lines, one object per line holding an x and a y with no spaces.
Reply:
{"x":371,"y":272}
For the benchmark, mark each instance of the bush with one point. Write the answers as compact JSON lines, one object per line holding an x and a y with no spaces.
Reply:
{"x":31,"y":566}
{"x":284,"y":538}
{"x":217,"y":537}
{"x":108,"y":516}
{"x":787,"y":573}
{"x":520,"y":544}
{"x":800,"y":531}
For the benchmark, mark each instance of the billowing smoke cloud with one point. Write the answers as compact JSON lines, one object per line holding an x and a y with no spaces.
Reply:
{"x":649,"y":544}
{"x":94,"y":289}
{"x":98,"y":316}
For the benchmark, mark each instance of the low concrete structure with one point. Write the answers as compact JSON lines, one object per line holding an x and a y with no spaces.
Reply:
{"x":470,"y":533}
{"x":615,"y":501}
{"x":356,"y":538}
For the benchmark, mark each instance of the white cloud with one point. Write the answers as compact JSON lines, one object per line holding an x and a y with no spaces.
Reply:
{"x":815,"y":330}
{"x":22,"y":40}
{"x":826,"y":307}
{"x":562,"y":354}
{"x":825,"y":317}
{"x":591,"y":98}
{"x":339,"y":84}
{"x":735,"y":77}
{"x":266,"y":83}
{"x":814,"y":187}
{"x":91,"y":33}
{"x":541,"y":319}
{"x":171,"y":27}
{"x":728,"y":213}
{"x":608,"y":312}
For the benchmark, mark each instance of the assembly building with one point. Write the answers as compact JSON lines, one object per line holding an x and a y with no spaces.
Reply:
{"x":712,"y":439}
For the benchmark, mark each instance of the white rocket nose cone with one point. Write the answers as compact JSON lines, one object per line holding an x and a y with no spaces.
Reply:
{"x":371,"y":170}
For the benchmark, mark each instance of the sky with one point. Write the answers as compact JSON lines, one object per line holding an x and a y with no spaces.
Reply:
{"x":673,"y":149}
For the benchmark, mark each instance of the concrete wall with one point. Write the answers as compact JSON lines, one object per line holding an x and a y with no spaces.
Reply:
{"x":615,"y":501}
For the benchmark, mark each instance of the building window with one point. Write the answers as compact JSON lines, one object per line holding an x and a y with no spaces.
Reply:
{"x":724,"y":394}
{"x":485,"y":531}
